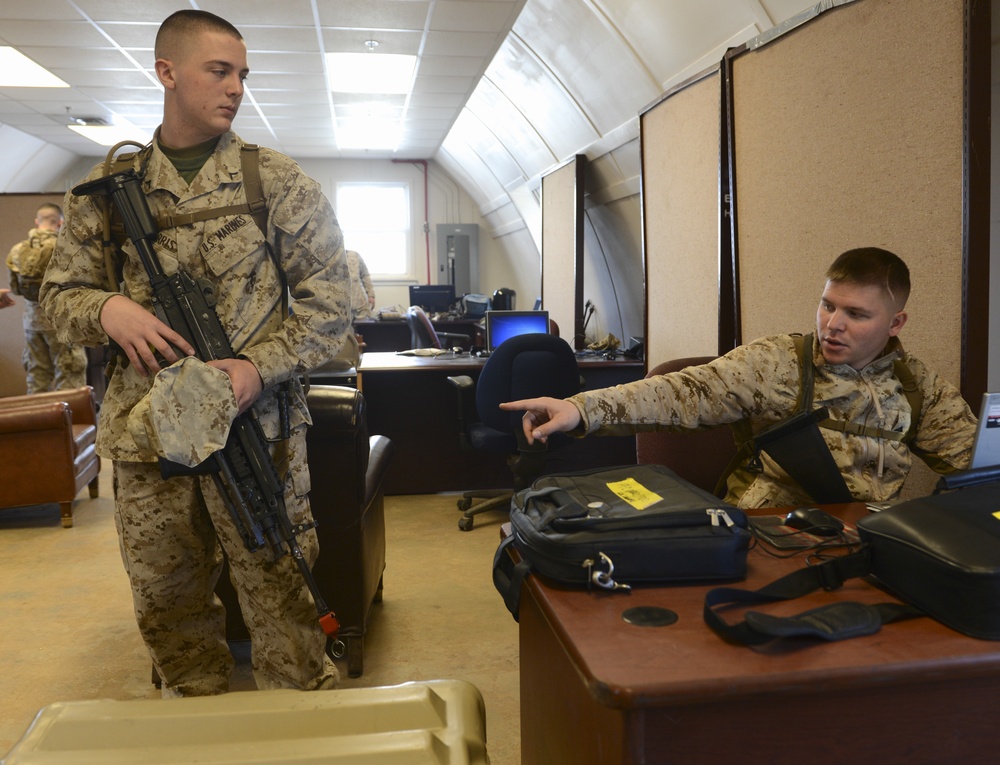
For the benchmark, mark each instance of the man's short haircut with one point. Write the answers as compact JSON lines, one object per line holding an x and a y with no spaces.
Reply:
{"x":872,"y":266}
{"x":187,"y":23}
{"x":48,"y":207}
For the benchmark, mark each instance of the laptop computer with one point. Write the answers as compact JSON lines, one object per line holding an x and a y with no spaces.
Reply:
{"x":986,"y":447}
{"x":501,"y":325}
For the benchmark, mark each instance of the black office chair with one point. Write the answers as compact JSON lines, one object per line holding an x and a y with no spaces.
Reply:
{"x":525,"y":366}
{"x":423,"y":334}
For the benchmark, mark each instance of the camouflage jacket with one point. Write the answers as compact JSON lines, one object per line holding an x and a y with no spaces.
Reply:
{"x":34,"y":318}
{"x":761,"y":381}
{"x":230,"y":251}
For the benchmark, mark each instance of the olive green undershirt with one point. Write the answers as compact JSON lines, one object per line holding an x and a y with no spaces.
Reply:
{"x":189,"y":162}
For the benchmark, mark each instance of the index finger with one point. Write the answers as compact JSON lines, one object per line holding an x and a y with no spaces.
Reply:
{"x":523,"y":405}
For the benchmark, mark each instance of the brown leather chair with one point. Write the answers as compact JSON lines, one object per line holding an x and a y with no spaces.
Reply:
{"x":698,"y":456}
{"x":346,"y":467}
{"x":47,"y":449}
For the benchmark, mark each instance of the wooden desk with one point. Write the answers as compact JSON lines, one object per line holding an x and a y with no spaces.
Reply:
{"x":597,"y":690}
{"x":410,"y":400}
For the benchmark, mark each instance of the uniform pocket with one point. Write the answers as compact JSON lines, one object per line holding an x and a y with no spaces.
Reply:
{"x":246,"y":280}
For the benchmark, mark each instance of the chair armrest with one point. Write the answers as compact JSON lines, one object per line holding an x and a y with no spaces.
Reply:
{"x":380,"y":452}
{"x":81,"y":402}
{"x":50,"y":415}
{"x":465,"y":389}
{"x":454,"y":338}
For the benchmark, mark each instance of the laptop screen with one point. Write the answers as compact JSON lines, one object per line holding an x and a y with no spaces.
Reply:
{"x":503,"y":325}
{"x":986,"y":447}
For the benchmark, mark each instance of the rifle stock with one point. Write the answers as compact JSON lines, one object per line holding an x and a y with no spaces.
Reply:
{"x":243,"y":469}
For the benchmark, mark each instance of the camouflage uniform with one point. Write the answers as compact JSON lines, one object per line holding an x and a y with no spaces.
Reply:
{"x":170,"y":530}
{"x":761,"y":380}
{"x":49,"y":363}
{"x":362,"y":288}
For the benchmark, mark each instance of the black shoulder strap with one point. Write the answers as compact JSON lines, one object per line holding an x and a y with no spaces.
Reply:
{"x":837,"y":621}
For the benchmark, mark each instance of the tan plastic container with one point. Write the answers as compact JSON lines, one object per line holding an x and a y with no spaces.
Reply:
{"x":440,"y":721}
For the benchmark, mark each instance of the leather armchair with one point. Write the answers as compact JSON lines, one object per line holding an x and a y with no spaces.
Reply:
{"x":346,"y":467}
{"x":47,"y":449}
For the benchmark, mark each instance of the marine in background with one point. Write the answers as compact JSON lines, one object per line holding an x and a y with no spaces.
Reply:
{"x":49,"y":362}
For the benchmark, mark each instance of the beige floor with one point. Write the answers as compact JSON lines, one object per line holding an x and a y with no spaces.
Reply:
{"x":68,"y":631}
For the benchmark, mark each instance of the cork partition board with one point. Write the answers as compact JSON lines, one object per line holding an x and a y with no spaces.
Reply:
{"x":849,"y":133}
{"x":680,"y":198}
{"x":562,"y":248}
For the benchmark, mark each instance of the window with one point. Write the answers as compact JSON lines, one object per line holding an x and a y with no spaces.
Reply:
{"x":375,"y":218}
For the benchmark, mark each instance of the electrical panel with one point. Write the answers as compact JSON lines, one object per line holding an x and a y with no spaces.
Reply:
{"x":458,"y":257}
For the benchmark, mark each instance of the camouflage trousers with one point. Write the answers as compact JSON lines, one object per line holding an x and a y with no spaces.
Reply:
{"x":170,"y":532}
{"x":51,"y":364}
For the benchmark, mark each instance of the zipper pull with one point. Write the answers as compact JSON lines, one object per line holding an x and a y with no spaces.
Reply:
{"x":718,"y":513}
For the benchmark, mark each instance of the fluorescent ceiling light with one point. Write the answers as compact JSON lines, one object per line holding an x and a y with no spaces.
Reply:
{"x":19,"y":71}
{"x":374,"y":133}
{"x":109,"y":135}
{"x":389,"y":73}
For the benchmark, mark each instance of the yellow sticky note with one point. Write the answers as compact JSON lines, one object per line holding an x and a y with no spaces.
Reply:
{"x":634,"y":493}
{"x":997,"y":515}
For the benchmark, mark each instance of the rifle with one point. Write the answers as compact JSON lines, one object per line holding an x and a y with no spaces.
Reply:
{"x":243,"y":470}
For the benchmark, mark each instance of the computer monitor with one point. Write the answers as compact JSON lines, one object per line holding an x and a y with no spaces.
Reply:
{"x":986,"y":446}
{"x":433,"y":298}
{"x":503,"y":325}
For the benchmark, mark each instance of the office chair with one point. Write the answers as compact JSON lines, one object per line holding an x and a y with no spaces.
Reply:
{"x":423,"y":334}
{"x":525,"y":366}
{"x":697,"y":456}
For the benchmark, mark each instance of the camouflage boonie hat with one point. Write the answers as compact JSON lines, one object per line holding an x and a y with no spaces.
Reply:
{"x":185,"y":416}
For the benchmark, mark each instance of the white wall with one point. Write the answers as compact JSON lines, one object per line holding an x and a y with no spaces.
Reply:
{"x":448,"y":203}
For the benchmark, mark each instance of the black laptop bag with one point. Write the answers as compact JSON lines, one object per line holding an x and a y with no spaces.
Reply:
{"x":939,"y":554}
{"x":617,"y":527}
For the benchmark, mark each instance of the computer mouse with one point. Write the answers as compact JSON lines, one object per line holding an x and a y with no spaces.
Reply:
{"x":815,"y":521}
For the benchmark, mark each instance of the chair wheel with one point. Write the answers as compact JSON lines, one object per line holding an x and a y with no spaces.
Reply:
{"x":465,"y":523}
{"x":464,"y":503}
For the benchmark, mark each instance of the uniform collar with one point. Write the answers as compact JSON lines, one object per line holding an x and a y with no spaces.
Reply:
{"x":893,"y":350}
{"x":221,"y":168}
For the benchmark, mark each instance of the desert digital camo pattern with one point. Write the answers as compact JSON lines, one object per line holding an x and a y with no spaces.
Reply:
{"x":187,"y":645}
{"x":166,"y":527}
{"x":185,"y":416}
{"x":49,"y":363}
{"x":230,"y":252}
{"x":761,"y":380}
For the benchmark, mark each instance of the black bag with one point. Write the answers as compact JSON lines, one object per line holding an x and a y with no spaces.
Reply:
{"x":616,"y":527}
{"x":939,"y":554}
{"x":799,"y":448}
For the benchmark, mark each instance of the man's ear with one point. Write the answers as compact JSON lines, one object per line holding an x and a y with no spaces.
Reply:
{"x":897,"y":323}
{"x":165,"y":73}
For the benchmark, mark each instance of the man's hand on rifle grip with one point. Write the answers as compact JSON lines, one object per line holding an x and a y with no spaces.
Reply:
{"x":141,"y":335}
{"x":245,"y":379}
